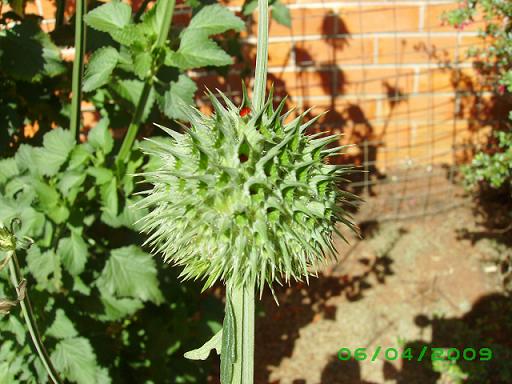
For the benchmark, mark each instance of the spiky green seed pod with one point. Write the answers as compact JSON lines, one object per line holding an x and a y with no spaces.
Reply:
{"x":244,"y":199}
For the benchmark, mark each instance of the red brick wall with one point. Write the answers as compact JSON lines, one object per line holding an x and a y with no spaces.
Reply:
{"x":388,"y":71}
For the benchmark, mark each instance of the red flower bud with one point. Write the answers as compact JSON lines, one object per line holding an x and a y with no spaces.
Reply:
{"x":245,"y":111}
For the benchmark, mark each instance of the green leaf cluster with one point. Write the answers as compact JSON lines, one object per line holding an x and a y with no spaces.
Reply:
{"x":108,"y":311}
{"x":95,"y":292}
{"x":31,"y":73}
{"x":136,"y":58}
{"x":494,"y":168}
{"x":492,"y":165}
{"x":27,"y":53}
{"x":495,"y":58}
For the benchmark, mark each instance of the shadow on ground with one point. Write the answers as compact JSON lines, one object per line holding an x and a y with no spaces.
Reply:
{"x":301,"y":304}
{"x":487,"y":325}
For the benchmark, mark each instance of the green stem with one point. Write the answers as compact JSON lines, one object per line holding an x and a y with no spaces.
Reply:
{"x":243,"y":308}
{"x":141,"y":10}
{"x":131,"y":134}
{"x":243,"y":297}
{"x":248,"y":336}
{"x":59,"y":14}
{"x":78,"y":65}
{"x":28,"y":316}
{"x":260,"y":75}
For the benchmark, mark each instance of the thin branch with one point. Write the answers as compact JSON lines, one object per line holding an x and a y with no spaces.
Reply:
{"x":28,"y":315}
{"x":78,"y":65}
{"x":141,"y":10}
{"x":131,"y":134}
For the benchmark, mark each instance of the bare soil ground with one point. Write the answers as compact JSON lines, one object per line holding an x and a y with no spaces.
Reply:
{"x":407,"y":284}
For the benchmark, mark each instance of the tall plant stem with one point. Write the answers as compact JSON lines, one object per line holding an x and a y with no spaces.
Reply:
{"x":131,"y":134}
{"x":242,"y":299}
{"x":260,"y":75}
{"x":59,"y":14}
{"x":28,"y":316}
{"x":78,"y":66}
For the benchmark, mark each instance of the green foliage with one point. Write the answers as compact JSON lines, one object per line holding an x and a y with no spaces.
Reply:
{"x":130,"y":272}
{"x":496,"y":57}
{"x":31,"y":72}
{"x":109,"y":313}
{"x":28,"y":53}
{"x":75,"y":359}
{"x":493,"y":168}
{"x":34,"y":86}
{"x":99,"y":70}
{"x":91,"y":284}
{"x":139,"y":59}
{"x":281,"y":14}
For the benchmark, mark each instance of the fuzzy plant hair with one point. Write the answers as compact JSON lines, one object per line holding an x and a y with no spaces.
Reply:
{"x":245,"y":198}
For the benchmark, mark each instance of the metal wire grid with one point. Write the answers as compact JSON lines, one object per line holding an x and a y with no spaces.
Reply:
{"x":414,"y":184}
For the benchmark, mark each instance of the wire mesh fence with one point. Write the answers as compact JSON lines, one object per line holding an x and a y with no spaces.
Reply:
{"x":396,"y":81}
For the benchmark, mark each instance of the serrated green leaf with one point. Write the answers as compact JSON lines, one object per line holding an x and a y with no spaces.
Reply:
{"x":180,"y":94}
{"x":99,"y":68}
{"x":281,"y":14}
{"x":116,"y":309}
{"x":127,"y":218}
{"x":79,"y":156}
{"x":59,"y":214}
{"x":127,"y":35}
{"x":101,"y":174}
{"x":17,"y":328}
{"x":5,"y":375}
{"x":73,"y":253}
{"x":108,"y":17}
{"x":100,"y":138}
{"x":102,"y":376}
{"x":142,"y":63}
{"x":44,"y":266}
{"x":197,"y":51}
{"x":47,"y":195}
{"x":57,"y":144}
{"x":130,"y":272}
{"x":8,"y":169}
{"x":109,"y":199}
{"x":153,"y":19}
{"x":24,"y":157}
{"x":70,"y":184}
{"x":80,"y":286}
{"x":131,"y":91}
{"x":74,"y":358}
{"x":50,"y":202}
{"x":62,"y":327}
{"x":212,"y":20}
{"x":33,"y":222}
